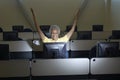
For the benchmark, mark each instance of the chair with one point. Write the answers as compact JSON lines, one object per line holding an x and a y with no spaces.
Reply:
{"x":18,"y":28}
{"x":45,"y":28}
{"x":1,"y":30}
{"x":84,"y":35}
{"x":11,"y":36}
{"x":97,"y":27}
{"x":27,"y":30}
{"x":68,"y":27}
{"x":4,"y":52}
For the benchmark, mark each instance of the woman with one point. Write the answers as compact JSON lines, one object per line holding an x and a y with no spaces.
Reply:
{"x":55,"y":31}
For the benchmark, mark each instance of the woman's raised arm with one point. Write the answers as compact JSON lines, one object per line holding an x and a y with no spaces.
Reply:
{"x":69,"y":34}
{"x":41,"y":34}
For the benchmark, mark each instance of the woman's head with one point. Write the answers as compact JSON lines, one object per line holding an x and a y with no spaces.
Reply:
{"x":54,"y":31}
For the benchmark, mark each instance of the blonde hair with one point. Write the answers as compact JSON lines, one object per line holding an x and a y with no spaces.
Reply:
{"x":54,"y":27}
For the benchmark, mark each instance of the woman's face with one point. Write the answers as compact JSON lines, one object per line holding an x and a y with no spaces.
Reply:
{"x":54,"y":34}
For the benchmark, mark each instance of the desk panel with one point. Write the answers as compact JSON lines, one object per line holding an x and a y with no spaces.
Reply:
{"x":77,"y":45}
{"x":52,"y":67}
{"x":101,"y":35}
{"x":14,"y":68}
{"x":105,"y":66}
{"x":17,"y":46}
{"x":25,"y":35}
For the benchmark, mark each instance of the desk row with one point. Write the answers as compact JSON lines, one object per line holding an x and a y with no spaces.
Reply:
{"x":75,"y":48}
{"x":74,"y":45}
{"x":80,"y":35}
{"x":60,"y":67}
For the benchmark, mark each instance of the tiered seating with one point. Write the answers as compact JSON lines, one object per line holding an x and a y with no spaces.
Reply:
{"x":26,"y":58}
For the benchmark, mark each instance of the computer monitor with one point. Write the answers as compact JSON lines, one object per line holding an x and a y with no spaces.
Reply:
{"x":97,"y":28}
{"x":84,"y":35}
{"x":107,"y":49}
{"x":10,"y":36}
{"x":55,"y":50}
{"x":4,"y":52}
{"x":115,"y":34}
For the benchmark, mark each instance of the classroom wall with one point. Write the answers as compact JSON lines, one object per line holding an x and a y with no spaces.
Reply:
{"x":10,"y":14}
{"x":60,"y":12}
